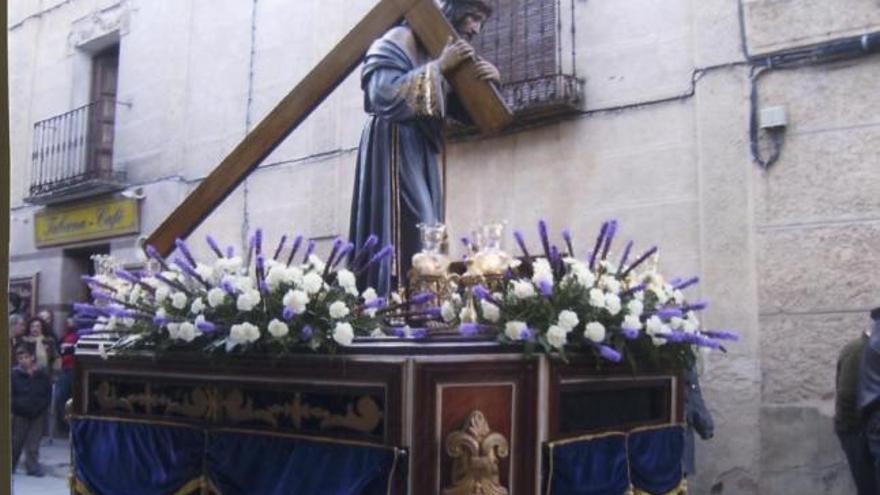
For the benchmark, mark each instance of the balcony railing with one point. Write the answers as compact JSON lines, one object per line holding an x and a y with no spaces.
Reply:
{"x":72,"y":154}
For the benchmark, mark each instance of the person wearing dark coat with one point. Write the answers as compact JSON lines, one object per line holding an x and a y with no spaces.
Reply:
{"x":847,"y":420}
{"x":697,"y":417}
{"x":869,"y":393}
{"x":31,"y":393}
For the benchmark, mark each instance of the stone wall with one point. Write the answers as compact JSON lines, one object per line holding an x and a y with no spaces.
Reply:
{"x":787,"y":256}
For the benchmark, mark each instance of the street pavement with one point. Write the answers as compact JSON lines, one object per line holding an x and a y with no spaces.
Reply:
{"x":55,"y":458}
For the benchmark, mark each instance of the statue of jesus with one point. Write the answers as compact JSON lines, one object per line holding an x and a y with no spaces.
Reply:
{"x":397,"y":181}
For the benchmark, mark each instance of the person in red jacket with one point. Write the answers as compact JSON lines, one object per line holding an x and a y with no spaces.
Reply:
{"x":65,"y":380}
{"x":31,"y":391}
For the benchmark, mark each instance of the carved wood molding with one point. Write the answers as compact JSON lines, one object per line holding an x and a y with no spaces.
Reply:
{"x":475,"y":450}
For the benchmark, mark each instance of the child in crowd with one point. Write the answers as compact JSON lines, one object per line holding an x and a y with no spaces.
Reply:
{"x":31,"y":391}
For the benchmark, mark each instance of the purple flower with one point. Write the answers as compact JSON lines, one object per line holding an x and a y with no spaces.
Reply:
{"x":382,"y":254}
{"x":721,"y":334}
{"x":647,"y":254}
{"x":469,"y":329}
{"x":184,"y":249}
{"x":526,"y":334}
{"x":546,"y":288}
{"x":127,"y":276}
{"x":375,"y":303}
{"x":630,"y":333}
{"x":609,"y":237}
{"x":418,"y":333}
{"x":545,"y":239}
{"x":598,"y":245}
{"x":625,"y":256}
{"x":288,"y":314}
{"x":85,"y":309}
{"x":343,"y":254}
{"x":520,"y":240}
{"x":280,"y":246}
{"x":697,"y":306}
{"x":609,"y":353}
{"x":227,"y":286}
{"x":91,"y":281}
{"x":421,"y":298}
{"x":667,"y":313}
{"x":153,"y":253}
{"x":310,"y":248}
{"x":687,"y":283}
{"x":206,"y":326}
{"x":633,"y":290}
{"x":337,"y":245}
{"x":258,"y":241}
{"x":481,"y":292}
{"x":214,"y":246}
{"x":566,"y":236}
{"x":307,"y":332}
{"x":230,"y":251}
{"x":293,"y":249}
{"x":160,"y":320}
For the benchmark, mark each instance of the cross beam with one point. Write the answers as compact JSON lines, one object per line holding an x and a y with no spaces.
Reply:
{"x":480,"y":99}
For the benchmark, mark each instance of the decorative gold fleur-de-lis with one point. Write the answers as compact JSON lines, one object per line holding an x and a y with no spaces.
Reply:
{"x":475,"y":451}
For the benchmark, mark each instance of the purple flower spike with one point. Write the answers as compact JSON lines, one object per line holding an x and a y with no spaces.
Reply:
{"x":293,"y":249}
{"x":697,"y":306}
{"x":418,"y":333}
{"x":288,"y":314}
{"x":160,"y":320}
{"x":546,"y":288}
{"x":258,"y":241}
{"x":127,"y":276}
{"x":227,"y":286}
{"x":364,"y":252}
{"x":337,"y":245}
{"x":280,"y":246}
{"x":526,"y":334}
{"x":687,"y":283}
{"x":376,"y":303}
{"x":92,"y":281}
{"x":184,"y":249}
{"x":343,"y":254}
{"x":83,"y":309}
{"x":230,"y":251}
{"x":310,"y":248}
{"x":566,"y":236}
{"x":609,"y":354}
{"x":667,"y":313}
{"x":382,"y":254}
{"x":468,"y":244}
{"x":261,"y":265}
{"x":214,"y":246}
{"x":307,"y":332}
{"x":632,"y":290}
{"x":206,"y":326}
{"x":642,"y":258}
{"x":421,"y":298}
{"x":469,"y":329}
{"x":609,"y":237}
{"x":721,"y":334}
{"x":598,"y":245}
{"x":629,"y":333}
{"x":481,"y":292}
{"x":545,"y":239}
{"x":520,"y":240}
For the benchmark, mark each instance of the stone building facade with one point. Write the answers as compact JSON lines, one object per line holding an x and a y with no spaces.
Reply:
{"x":788,"y":255}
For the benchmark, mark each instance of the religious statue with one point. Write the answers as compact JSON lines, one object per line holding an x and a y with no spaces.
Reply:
{"x":397,"y":181}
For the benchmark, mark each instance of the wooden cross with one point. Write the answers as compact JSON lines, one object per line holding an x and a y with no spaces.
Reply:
{"x":480,"y":99}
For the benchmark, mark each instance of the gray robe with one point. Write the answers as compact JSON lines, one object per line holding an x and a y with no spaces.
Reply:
{"x":397,"y":180}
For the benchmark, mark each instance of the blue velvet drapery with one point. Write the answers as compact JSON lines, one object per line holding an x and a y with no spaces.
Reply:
{"x":648,"y":460}
{"x":139,"y":458}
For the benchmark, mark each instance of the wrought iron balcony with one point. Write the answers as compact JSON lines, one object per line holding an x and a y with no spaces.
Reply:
{"x":72,"y":155}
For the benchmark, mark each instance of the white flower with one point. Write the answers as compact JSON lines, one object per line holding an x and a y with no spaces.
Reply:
{"x":216,"y":297}
{"x":556,"y":336}
{"x":610,"y":283}
{"x":276,"y":276}
{"x":247,"y":300}
{"x":612,"y":303}
{"x":595,"y":331}
{"x":243,"y":333}
{"x":343,"y":333}
{"x":187,"y":332}
{"x":197,"y":306}
{"x":678,"y":296}
{"x":447,"y":311}
{"x":490,"y":311}
{"x":523,"y":289}
{"x":296,"y":300}
{"x":278,"y":328}
{"x":338,"y":310}
{"x":173,"y":330}
{"x":229,"y":265}
{"x":582,"y":274}
{"x":162,"y":293}
{"x":676,"y":323}
{"x":658,"y":341}
{"x":597,"y":298}
{"x":178,"y":300}
{"x":542,"y":273}
{"x":567,"y":320}
{"x":347,"y":281}
{"x":654,"y":325}
{"x":377,"y":333}
{"x":660,"y":292}
{"x":160,"y":313}
{"x":632,"y":323}
{"x":635,"y":307}
{"x":516,"y":330}
{"x":312,"y":283}
{"x":395,"y":298}
{"x":639,"y":295}
{"x":317,"y":264}
{"x":204,"y":271}
{"x":369,"y":294}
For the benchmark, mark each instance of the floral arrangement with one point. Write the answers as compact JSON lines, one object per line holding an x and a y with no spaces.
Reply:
{"x":616,"y":309}
{"x":257,"y":303}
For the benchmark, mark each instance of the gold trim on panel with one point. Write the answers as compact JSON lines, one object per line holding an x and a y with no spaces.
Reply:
{"x":475,"y":451}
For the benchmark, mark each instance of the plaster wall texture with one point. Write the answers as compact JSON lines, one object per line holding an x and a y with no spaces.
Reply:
{"x":788,"y":256}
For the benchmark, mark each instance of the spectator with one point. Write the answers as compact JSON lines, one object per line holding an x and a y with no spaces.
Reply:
{"x":31,"y":392}
{"x":17,"y":331}
{"x":65,"y":380}
{"x":49,"y":318}
{"x":847,"y":421}
{"x":45,"y":345}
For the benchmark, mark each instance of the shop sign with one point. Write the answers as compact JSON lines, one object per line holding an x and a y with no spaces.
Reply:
{"x":87,"y":221}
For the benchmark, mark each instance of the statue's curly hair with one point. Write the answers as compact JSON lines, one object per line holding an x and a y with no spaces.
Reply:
{"x":454,"y":10}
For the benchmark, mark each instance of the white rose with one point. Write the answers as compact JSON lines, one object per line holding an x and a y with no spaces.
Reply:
{"x":631,"y":322}
{"x":197,"y":306}
{"x":678,"y":296}
{"x":611,"y":284}
{"x":248,"y":300}
{"x":187,"y":332}
{"x":612,"y":303}
{"x":296,"y":300}
{"x":568,"y":319}
{"x":676,"y":322}
{"x":595,"y":331}
{"x":516,"y":330}
{"x":178,"y":300}
{"x":277,"y":275}
{"x":347,"y":281}
{"x":343,"y":333}
{"x":377,"y":333}
{"x":229,"y":265}
{"x":597,"y":298}
{"x":318,"y":265}
{"x":490,"y":311}
{"x":653,"y":325}
{"x":556,"y":336}
{"x":369,"y":294}
{"x":244,"y":333}
{"x":635,"y":307}
{"x":338,"y":310}
{"x":523,"y":289}
{"x":542,"y":273}
{"x":639,"y":295}
{"x":162,"y":293}
{"x":277,"y":328}
{"x":216,"y":297}
{"x":173,"y":330}
{"x":204,"y":271}
{"x":312,"y":283}
{"x":447,"y":311}
{"x":658,"y":341}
